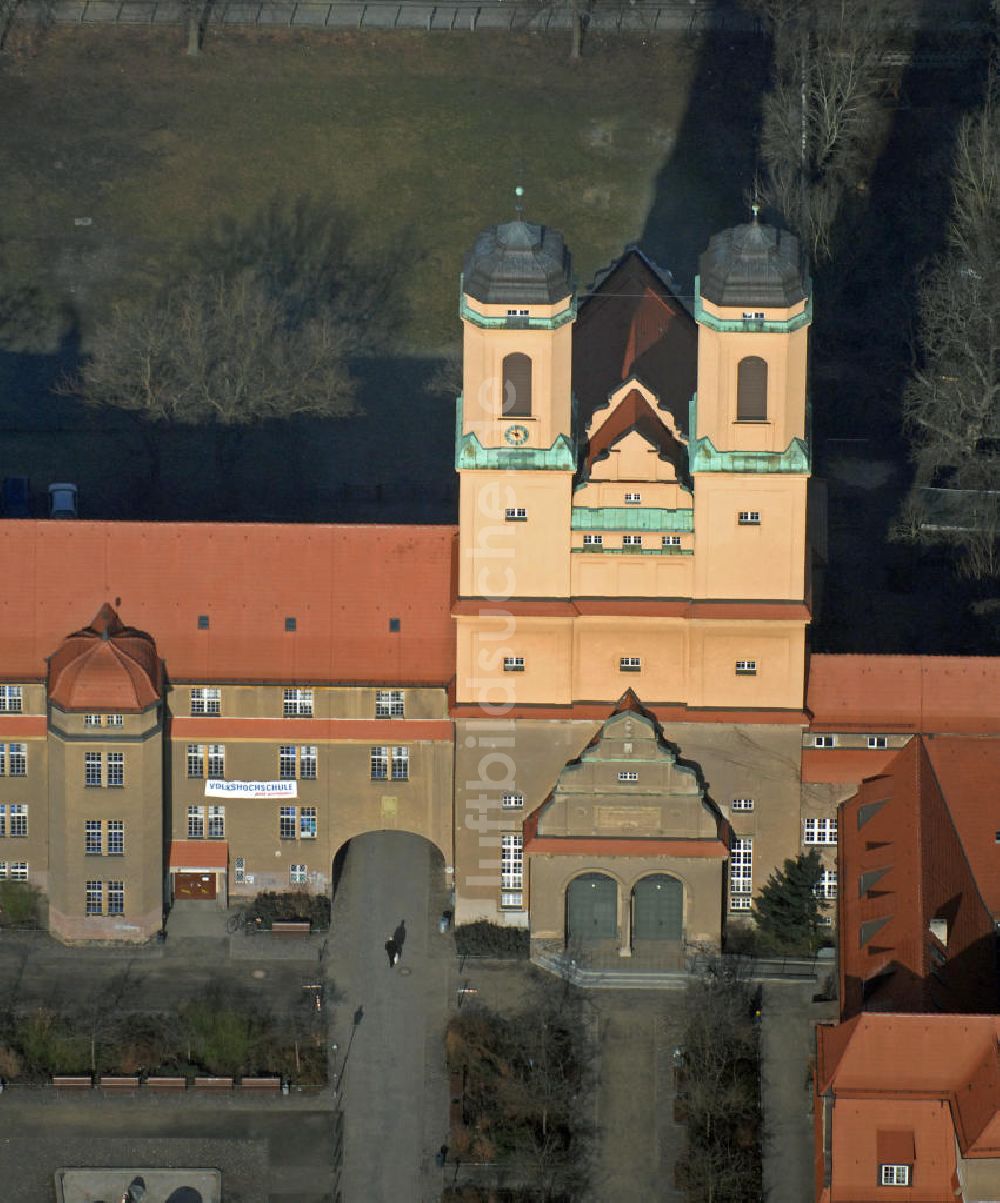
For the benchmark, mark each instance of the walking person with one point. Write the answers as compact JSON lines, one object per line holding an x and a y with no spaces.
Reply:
{"x":391,"y":951}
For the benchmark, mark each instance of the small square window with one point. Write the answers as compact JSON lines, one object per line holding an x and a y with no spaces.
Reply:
{"x":630,"y":664}
{"x":593,"y":540}
{"x":633,"y":498}
{"x":393,"y":626}
{"x":877,"y":741}
{"x":515,"y":513}
{"x":739,"y":902}
{"x":512,"y":801}
{"x":512,"y":900}
{"x":628,"y":775}
{"x":743,"y":804}
{"x":202,"y":622}
{"x":824,"y":741}
{"x":746,"y":668}
{"x":671,"y":540}
{"x":290,"y":624}
{"x":91,"y":720}
{"x":631,"y":540}
{"x":513,"y":664}
{"x":894,"y":1175}
{"x":748,"y":518}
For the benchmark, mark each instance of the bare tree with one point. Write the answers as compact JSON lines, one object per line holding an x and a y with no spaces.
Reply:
{"x":218,"y":351}
{"x":821,"y":119}
{"x":951,"y":406}
{"x":35,"y":16}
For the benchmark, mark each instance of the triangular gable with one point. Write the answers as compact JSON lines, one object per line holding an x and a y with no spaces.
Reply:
{"x":632,"y":412}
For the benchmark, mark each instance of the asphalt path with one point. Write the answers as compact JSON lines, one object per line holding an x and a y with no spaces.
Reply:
{"x":390,"y":1020}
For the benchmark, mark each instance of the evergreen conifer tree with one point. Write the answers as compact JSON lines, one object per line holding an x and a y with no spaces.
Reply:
{"x":788,"y":911}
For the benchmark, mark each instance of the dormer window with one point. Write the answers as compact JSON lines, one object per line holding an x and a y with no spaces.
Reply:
{"x":516,"y":386}
{"x":894,"y":1175}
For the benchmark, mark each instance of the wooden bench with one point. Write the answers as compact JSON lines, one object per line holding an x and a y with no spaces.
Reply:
{"x":165,"y":1084}
{"x":215,"y":1084}
{"x":119,"y":1083}
{"x":270,"y":1084}
{"x":291,"y":928}
{"x":72,"y":1082}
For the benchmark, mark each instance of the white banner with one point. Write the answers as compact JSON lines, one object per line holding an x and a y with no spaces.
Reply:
{"x":251,"y":789}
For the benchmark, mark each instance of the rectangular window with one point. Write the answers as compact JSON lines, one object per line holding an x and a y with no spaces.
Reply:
{"x":748,"y":518}
{"x":116,"y":768}
{"x":3,"y":819}
{"x":19,"y":870}
{"x":95,"y":897}
{"x":286,"y":761}
{"x":824,"y":741}
{"x":877,"y":741}
{"x":511,"y":861}
{"x":400,"y":763}
{"x":633,"y":498}
{"x":746,"y":668}
{"x":216,"y":822}
{"x":116,"y":720}
{"x":894,"y":1175}
{"x":517,"y":312}
{"x":593,"y":540}
{"x":298,"y":875}
{"x":819,"y":831}
{"x":206,"y":701}
{"x":388,"y":703}
{"x":297,"y":703}
{"x":286,"y":822}
{"x":630,"y":664}
{"x":3,"y":870}
{"x":10,"y":699}
{"x":628,"y":775}
{"x":741,"y":865}
{"x":739,"y":902}
{"x":512,"y":900}
{"x":116,"y":898}
{"x":93,"y":843}
{"x":240,"y":870}
{"x":308,"y":760}
{"x":92,"y":774}
{"x":671,"y":540}
{"x":631,"y":540}
{"x":826,"y":887}
{"x":196,"y":760}
{"x":515,"y":513}
{"x":513,"y":664}
{"x":743,"y":804}
{"x":307,"y":823}
{"x":512,"y":801}
{"x":380,"y":764}
{"x":18,"y":761}
{"x":217,"y":761}
{"x":18,"y":819}
{"x":91,"y":720}
{"x":753,"y":315}
{"x":196,"y":823}
{"x":116,"y":837}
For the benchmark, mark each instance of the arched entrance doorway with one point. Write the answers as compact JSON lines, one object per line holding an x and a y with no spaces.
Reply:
{"x":658,"y":908}
{"x":591,"y":909}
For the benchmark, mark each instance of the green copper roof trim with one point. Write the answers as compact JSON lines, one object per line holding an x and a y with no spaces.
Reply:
{"x":471,"y":454}
{"x":704,"y":456}
{"x":514,"y":323}
{"x":748,"y":325}
{"x":630,"y":518}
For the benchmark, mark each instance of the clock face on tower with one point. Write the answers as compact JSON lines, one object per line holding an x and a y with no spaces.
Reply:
{"x":517,"y":436}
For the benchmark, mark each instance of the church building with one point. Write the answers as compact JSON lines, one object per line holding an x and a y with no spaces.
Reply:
{"x":593,"y":695}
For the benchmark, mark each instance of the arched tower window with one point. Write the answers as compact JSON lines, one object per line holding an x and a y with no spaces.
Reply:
{"x":751,"y":390}
{"x":516,"y":386}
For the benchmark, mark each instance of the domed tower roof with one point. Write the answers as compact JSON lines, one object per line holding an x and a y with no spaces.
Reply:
{"x":106,"y":666}
{"x":518,"y":263}
{"x":754,"y":264}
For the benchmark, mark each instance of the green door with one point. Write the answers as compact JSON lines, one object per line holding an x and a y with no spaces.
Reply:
{"x":592,"y":908}
{"x":659,"y":908}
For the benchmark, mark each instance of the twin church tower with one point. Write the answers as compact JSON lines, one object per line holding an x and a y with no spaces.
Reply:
{"x":629,"y":539}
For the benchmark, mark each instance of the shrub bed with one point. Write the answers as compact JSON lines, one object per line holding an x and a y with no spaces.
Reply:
{"x":485,"y":939}
{"x":290,"y":906}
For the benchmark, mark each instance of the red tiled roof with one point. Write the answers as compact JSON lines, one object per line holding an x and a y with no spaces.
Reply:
{"x":198,"y":854}
{"x":105,"y":666}
{"x":905,"y":693}
{"x":341,"y":584}
{"x":838,"y":766}
{"x":968,"y":771}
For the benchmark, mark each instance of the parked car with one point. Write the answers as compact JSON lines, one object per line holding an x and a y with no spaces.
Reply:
{"x":62,"y":500}
{"x":17,"y":497}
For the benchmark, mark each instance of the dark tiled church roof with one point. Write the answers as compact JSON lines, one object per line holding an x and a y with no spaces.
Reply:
{"x":632,"y":324}
{"x":755,"y":265}
{"x":518,"y":263}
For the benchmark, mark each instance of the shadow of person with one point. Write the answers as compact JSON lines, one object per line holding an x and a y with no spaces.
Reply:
{"x":399,"y":936}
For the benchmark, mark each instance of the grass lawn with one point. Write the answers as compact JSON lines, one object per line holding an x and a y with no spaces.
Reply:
{"x":417,"y":139}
